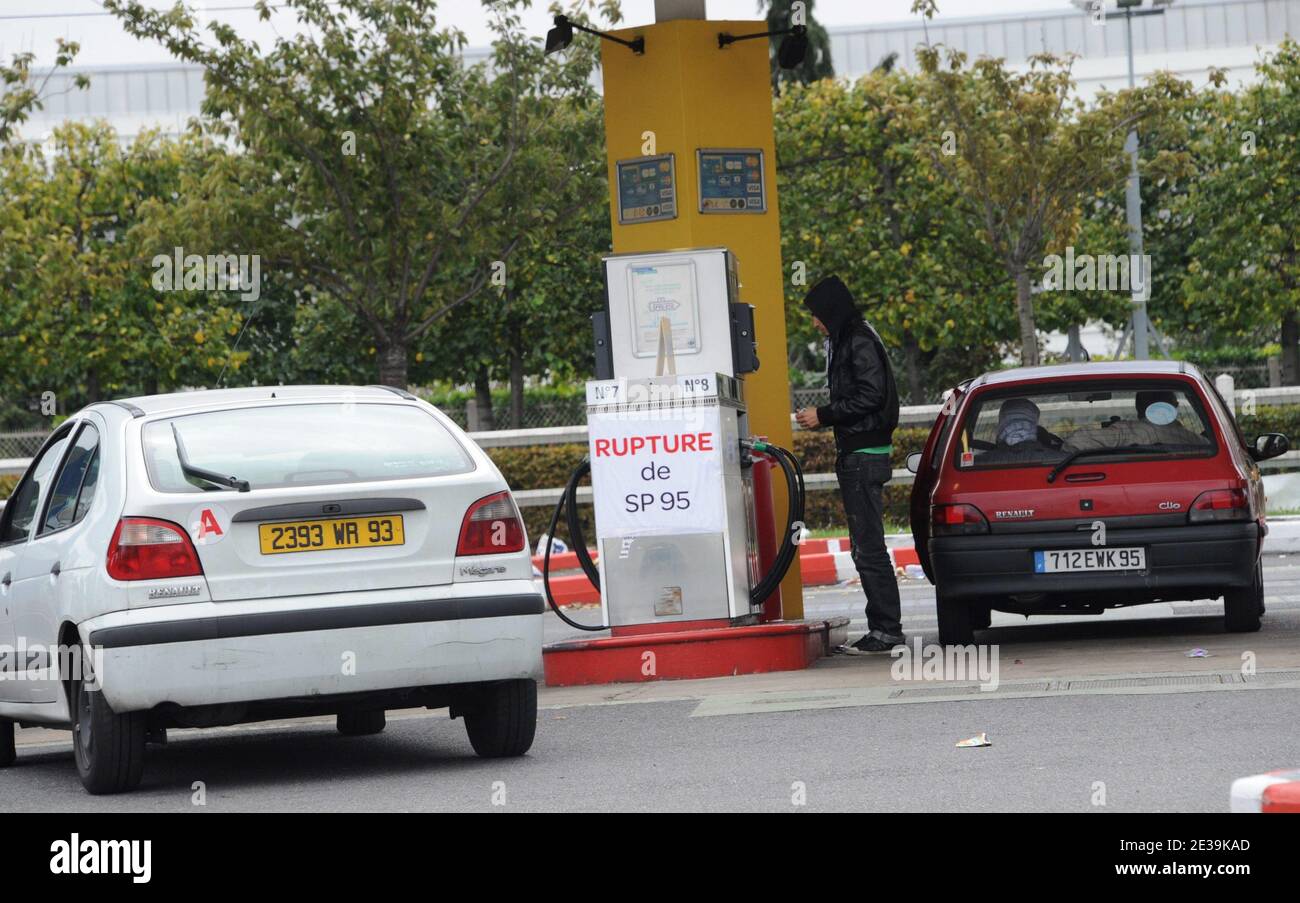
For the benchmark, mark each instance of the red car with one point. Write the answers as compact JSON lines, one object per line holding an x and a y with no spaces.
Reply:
{"x":1076,"y":488}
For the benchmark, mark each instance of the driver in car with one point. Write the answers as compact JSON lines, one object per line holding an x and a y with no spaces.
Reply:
{"x":1156,"y":424}
{"x":1019,"y":438}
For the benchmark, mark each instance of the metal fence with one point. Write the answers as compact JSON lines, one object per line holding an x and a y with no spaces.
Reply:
{"x":537,"y":415}
{"x":21,"y":445}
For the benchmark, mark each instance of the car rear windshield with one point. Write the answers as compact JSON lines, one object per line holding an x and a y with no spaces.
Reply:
{"x":301,"y":445}
{"x":1035,"y":426}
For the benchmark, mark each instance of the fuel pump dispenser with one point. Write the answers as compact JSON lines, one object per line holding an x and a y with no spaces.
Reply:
{"x":670,"y":458}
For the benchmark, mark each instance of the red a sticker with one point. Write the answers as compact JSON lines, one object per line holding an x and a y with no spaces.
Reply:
{"x":208,"y":525}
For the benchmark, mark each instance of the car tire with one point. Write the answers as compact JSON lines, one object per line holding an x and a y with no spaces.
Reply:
{"x":1242,"y":607}
{"x":955,"y":621}
{"x":108,"y":747}
{"x":8,"y":753}
{"x":361,"y":724}
{"x":981,"y":616}
{"x":503,"y":721}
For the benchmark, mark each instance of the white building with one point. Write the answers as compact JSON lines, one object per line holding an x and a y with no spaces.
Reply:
{"x":1188,"y":38}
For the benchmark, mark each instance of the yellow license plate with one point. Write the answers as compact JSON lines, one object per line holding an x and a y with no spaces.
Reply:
{"x":326,"y":535}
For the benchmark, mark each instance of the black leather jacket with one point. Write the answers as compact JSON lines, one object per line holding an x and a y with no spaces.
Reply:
{"x":863,"y":409}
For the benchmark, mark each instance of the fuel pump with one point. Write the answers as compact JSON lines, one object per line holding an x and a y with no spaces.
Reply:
{"x":669,"y":452}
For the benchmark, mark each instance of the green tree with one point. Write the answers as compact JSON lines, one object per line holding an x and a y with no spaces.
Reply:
{"x":379,"y":154}
{"x":1245,"y":259}
{"x":79,"y":314}
{"x":1025,"y":153}
{"x":860,"y":197}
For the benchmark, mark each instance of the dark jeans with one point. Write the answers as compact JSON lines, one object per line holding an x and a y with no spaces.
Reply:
{"x":862,"y":482}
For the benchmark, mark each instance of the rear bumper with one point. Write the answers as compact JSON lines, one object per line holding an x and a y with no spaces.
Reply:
{"x":228,"y":652}
{"x":1182,"y":562}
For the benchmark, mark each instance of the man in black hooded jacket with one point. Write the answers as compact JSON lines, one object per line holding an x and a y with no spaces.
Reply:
{"x":863,"y":411}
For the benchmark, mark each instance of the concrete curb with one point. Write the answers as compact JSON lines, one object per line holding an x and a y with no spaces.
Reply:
{"x":1277,"y":791}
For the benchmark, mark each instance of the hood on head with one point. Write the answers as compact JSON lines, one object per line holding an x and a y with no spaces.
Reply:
{"x":831,"y":302}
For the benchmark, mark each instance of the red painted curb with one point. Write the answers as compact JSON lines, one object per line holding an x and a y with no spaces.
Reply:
{"x":1284,"y":797}
{"x":818,"y":569}
{"x":691,"y":654}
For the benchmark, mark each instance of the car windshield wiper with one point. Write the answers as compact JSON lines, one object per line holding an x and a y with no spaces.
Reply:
{"x":199,"y":473}
{"x":1116,"y":450}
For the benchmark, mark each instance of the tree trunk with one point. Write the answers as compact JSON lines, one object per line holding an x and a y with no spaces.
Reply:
{"x":1290,"y":349}
{"x":516,"y":380}
{"x":1025,"y":312}
{"x":483,"y":399}
{"x":912,"y":364}
{"x":394,"y":364}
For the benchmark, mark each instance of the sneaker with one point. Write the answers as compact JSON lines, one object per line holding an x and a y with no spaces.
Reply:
{"x":869,"y":643}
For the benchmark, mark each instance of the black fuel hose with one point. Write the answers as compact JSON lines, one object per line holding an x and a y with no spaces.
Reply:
{"x":576,"y":538}
{"x":796,"y":496}
{"x":568,"y":504}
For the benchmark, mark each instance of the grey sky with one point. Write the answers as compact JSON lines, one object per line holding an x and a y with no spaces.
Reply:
{"x":35,"y":24}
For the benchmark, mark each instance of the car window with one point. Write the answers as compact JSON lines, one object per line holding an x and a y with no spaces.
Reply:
{"x":79,"y":467}
{"x":301,"y":445}
{"x":1034,"y":426}
{"x":20,"y":511}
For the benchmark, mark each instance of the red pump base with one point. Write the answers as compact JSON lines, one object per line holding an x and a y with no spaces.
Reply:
{"x":706,"y":651}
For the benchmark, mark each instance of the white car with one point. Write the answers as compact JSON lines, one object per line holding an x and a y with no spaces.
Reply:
{"x":217,"y":557}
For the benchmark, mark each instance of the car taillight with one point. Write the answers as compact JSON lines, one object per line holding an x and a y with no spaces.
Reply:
{"x":146,"y":549}
{"x":491,"y":526}
{"x":954,"y":520}
{"x":1220,"y":504}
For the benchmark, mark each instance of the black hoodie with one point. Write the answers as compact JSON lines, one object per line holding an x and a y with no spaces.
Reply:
{"x":864,"y":397}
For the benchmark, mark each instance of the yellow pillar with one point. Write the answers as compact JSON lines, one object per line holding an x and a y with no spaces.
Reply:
{"x":689,"y":94}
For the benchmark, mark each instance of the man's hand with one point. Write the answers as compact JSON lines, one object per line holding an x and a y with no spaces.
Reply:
{"x":807,"y":419}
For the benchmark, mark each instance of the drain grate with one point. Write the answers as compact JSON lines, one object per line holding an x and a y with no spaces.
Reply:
{"x":792,"y":700}
{"x":1273,"y":677}
{"x":969,"y":690}
{"x":1116,"y":683}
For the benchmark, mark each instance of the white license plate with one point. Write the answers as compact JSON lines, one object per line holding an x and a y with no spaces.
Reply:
{"x":1055,"y":561}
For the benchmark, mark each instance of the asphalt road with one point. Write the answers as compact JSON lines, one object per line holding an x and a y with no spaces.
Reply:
{"x":833,"y":736}
{"x":1151,"y":753}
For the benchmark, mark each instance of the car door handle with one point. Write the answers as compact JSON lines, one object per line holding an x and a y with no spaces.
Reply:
{"x":8,"y":579}
{"x":56,"y":570}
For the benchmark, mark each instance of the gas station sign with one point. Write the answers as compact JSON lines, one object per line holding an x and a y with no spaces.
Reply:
{"x":647,"y":189}
{"x":658,"y":474}
{"x":731,"y":180}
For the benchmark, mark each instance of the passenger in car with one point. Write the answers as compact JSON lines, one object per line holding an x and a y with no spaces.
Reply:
{"x":1019,"y":437}
{"x":1156,"y":424}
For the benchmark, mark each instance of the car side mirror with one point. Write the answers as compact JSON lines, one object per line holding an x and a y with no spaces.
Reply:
{"x":914,"y":462}
{"x":1269,"y":445}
